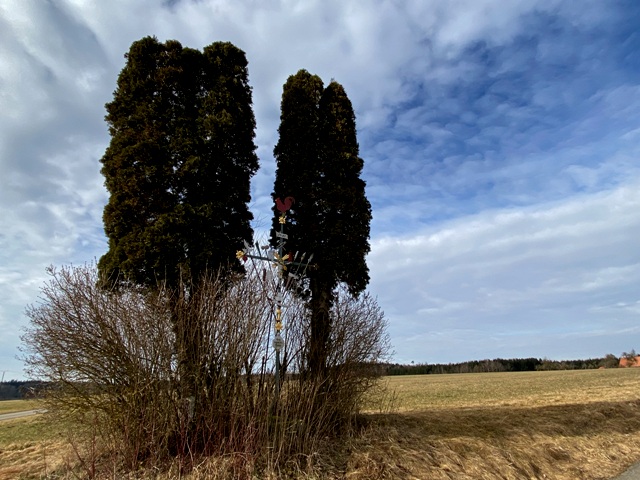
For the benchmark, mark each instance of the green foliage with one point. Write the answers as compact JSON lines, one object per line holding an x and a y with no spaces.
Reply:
{"x":14,"y":389}
{"x":318,"y":163}
{"x":297,"y":161}
{"x":610,"y":361}
{"x":179,"y":163}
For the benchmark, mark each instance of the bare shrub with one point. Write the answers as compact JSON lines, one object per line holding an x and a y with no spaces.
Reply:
{"x":113,"y":358}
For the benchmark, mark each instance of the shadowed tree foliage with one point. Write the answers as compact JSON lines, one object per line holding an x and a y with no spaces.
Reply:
{"x":318,"y":164}
{"x":179,"y":164}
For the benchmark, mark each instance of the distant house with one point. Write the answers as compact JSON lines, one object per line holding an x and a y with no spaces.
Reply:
{"x":630,"y":362}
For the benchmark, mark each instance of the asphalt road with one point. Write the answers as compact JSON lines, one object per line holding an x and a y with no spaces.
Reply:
{"x":632,"y":474}
{"x":25,"y":413}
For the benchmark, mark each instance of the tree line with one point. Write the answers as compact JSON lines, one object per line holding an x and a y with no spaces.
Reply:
{"x":18,"y":389}
{"x":501,"y":365}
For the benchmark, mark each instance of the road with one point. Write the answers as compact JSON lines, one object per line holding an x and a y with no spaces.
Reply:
{"x":632,"y":474}
{"x":25,"y":413}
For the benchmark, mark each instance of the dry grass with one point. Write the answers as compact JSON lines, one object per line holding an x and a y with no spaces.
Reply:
{"x":534,"y":425}
{"x":32,"y":447}
{"x":539,"y":425}
{"x":10,"y":406}
{"x":526,"y":389}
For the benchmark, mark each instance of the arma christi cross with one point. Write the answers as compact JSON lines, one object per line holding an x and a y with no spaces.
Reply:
{"x":291,"y":270}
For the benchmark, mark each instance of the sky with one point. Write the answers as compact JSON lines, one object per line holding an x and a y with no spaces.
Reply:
{"x":501,"y":143}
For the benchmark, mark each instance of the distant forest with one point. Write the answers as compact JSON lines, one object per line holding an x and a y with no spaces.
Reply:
{"x":501,"y":365}
{"x":15,"y":389}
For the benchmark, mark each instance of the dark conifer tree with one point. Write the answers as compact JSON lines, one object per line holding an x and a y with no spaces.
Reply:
{"x":296,"y":156}
{"x":178,"y":172}
{"x":318,"y":164}
{"x":345,"y":212}
{"x":179,"y":164}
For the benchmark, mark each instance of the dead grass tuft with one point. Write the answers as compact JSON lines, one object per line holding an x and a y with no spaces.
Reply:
{"x":34,"y":460}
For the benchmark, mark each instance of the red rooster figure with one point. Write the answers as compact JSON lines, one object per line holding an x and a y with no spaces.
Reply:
{"x":286,"y":205}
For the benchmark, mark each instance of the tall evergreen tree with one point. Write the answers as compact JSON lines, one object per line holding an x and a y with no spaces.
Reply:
{"x":318,"y":164}
{"x":178,"y":172}
{"x":346,"y":212}
{"x":179,"y":164}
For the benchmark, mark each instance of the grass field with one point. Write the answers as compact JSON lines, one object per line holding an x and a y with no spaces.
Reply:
{"x":30,"y":447}
{"x":10,"y":406}
{"x":566,"y":425}
{"x":525,"y":389}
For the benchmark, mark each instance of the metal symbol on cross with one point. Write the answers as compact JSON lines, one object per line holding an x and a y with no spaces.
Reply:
{"x":291,"y":271}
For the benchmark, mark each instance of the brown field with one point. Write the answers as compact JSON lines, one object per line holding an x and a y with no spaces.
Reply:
{"x":533,"y":425}
{"x":565,"y":425}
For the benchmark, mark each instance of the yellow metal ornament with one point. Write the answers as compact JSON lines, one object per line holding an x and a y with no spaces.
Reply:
{"x":280,"y":261}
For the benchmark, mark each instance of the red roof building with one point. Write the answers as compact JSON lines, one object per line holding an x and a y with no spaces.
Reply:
{"x":630,"y":362}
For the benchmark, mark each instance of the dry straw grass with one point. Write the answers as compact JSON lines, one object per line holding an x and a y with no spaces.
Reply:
{"x":32,"y":447}
{"x":539,"y":425}
{"x":535,"y":425}
{"x":151,"y":381}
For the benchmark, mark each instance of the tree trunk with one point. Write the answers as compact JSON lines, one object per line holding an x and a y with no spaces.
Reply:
{"x":318,"y":348}
{"x":188,"y":346}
